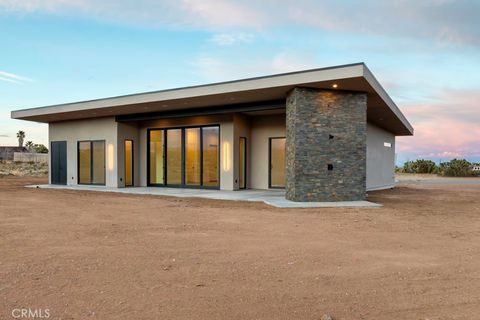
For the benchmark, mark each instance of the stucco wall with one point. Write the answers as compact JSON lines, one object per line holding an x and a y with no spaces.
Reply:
{"x":128,"y":131}
{"x":241,"y":129}
{"x":226,"y":144}
{"x":89,"y":129}
{"x":380,"y":159}
{"x":263,"y":128}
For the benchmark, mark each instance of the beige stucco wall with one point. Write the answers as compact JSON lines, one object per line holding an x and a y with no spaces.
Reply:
{"x":89,"y":129}
{"x":241,"y":129}
{"x":380,"y":159}
{"x":127,"y":131}
{"x":263,"y":128}
{"x":226,"y":143}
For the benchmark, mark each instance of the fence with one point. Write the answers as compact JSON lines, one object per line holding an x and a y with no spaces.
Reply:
{"x":30,"y":157}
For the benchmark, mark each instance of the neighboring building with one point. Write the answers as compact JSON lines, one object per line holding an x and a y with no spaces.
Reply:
{"x":475,"y":167}
{"x":324,"y":135}
{"x":6,"y":153}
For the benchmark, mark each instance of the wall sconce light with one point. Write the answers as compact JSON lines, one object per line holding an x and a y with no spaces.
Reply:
{"x":110,"y":157}
{"x":226,"y":156}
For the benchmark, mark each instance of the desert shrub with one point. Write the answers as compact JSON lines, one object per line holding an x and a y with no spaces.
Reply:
{"x":456,"y":168}
{"x":420,"y":166}
{"x":40,"y":148}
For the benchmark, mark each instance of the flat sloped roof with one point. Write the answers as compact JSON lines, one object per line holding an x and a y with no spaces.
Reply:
{"x":381,"y":110}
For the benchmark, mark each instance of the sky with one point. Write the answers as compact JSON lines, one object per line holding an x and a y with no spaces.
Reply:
{"x":425,"y":53}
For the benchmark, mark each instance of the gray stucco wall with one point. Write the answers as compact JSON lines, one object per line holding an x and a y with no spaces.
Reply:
{"x":82,"y":130}
{"x":326,"y":128}
{"x":380,"y":159}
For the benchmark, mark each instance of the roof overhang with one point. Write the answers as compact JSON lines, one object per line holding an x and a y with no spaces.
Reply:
{"x":381,"y":110}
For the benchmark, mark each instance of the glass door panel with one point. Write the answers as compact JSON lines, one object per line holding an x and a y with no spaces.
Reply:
{"x":174,"y":156}
{"x":192,"y":156}
{"x":210,"y":153}
{"x":277,"y":162}
{"x":157,"y":157}
{"x":84,"y":162}
{"x":98,"y":163}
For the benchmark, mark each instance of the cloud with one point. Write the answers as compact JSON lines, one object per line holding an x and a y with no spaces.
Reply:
{"x":444,"y":21}
{"x":445,"y":127}
{"x":217,"y":68}
{"x":4,"y":135}
{"x":228,"y":39}
{"x":13,"y":78}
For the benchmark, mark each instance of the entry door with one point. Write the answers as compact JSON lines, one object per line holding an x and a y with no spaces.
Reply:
{"x":128,"y":163}
{"x":277,"y":163}
{"x":58,"y":170}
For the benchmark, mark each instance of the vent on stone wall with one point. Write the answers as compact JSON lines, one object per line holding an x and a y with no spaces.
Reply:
{"x":330,"y":167}
{"x":330,"y":137}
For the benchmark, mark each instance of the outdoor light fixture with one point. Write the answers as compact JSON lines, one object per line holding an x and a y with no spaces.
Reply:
{"x":110,"y":154}
{"x":334,"y":86}
{"x":226,"y":156}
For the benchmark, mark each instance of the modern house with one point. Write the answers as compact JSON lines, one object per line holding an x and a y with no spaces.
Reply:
{"x":323,"y":134}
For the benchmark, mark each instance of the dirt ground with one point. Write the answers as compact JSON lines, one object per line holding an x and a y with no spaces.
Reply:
{"x":87,"y":255}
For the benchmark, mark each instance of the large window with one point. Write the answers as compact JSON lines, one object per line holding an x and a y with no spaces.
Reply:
{"x":91,"y":162}
{"x":184,"y":157}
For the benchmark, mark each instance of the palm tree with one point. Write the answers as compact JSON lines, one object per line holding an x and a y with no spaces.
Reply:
{"x":30,"y":146}
{"x":20,"y":136}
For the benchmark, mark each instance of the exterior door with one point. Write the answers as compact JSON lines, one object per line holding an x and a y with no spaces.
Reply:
{"x":128,"y":161}
{"x":58,"y":162}
{"x":277,"y":163}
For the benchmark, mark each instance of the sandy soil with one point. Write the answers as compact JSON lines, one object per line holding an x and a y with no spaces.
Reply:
{"x":86,"y":255}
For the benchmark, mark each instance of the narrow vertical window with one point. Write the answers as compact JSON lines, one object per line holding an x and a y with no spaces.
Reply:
{"x":277,"y":162}
{"x":128,"y":163}
{"x":242,"y":169}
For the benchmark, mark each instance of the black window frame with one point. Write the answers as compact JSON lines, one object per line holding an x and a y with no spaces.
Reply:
{"x":183,"y":161}
{"x":91,"y":162}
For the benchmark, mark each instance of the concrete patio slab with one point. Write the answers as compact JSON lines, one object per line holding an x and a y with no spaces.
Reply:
{"x":275,"y":198}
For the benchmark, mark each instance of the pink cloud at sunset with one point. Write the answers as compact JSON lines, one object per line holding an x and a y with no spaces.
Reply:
{"x":446,"y":127}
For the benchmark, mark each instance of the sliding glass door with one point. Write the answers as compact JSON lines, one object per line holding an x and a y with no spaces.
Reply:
{"x":184,"y":157}
{"x":91,"y":162}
